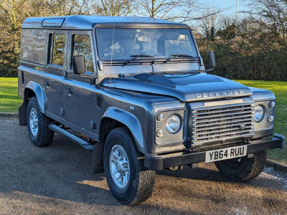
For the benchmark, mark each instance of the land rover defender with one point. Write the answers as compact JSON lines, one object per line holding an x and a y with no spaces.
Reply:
{"x":137,"y":91}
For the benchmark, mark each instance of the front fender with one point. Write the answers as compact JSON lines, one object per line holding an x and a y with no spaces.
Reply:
{"x":131,"y":122}
{"x":39,"y":92}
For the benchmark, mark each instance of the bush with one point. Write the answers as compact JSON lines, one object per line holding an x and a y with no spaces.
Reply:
{"x":249,"y":58}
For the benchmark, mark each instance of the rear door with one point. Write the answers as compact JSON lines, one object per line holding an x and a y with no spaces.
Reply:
{"x":55,"y":69}
{"x":78,"y":97}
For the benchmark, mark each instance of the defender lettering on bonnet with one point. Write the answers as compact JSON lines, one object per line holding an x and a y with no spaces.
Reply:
{"x":96,"y":76}
{"x":219,"y":94}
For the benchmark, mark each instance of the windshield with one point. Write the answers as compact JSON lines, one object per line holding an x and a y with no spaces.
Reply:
{"x":129,"y":43}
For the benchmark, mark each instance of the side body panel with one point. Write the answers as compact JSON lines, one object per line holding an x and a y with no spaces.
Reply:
{"x":53,"y":85}
{"x":137,"y":111}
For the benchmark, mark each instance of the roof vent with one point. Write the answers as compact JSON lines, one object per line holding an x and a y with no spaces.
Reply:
{"x":53,"y":22}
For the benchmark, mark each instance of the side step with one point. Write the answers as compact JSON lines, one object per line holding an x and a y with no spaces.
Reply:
{"x":70,"y":136}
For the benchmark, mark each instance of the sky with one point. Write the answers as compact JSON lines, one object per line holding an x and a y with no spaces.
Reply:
{"x":228,"y":8}
{"x":230,"y":5}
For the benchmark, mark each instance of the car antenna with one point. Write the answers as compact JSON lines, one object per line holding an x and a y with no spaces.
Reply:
{"x":112,"y":54}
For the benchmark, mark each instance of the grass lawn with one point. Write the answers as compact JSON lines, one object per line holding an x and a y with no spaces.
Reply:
{"x":9,"y":102}
{"x":9,"y":99}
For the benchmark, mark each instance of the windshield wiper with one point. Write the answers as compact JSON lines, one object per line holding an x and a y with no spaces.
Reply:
{"x":180,"y":55}
{"x":174,"y":56}
{"x":138,"y":56}
{"x":141,"y":55}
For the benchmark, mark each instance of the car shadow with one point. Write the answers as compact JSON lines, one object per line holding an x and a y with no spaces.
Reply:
{"x":208,"y":172}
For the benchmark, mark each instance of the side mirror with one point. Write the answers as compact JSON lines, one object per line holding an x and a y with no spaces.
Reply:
{"x":79,"y":64}
{"x":211,"y":60}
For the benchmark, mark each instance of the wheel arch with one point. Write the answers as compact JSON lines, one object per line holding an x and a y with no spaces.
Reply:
{"x":115,"y":117}
{"x":34,"y":89}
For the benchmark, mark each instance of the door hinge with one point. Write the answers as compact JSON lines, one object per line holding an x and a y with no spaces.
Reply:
{"x":62,"y":111}
{"x":92,"y":125}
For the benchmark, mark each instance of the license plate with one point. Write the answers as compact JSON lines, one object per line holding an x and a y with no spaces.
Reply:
{"x":224,"y":154}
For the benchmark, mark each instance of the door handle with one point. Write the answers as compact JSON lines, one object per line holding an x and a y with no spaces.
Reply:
{"x":46,"y":84}
{"x":69,"y":92}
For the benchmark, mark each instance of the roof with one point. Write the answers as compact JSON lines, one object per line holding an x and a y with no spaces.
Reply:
{"x":85,"y":22}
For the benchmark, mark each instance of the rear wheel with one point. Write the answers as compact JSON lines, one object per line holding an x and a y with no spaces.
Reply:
{"x":243,"y":169}
{"x":38,"y":125}
{"x":128,"y":179}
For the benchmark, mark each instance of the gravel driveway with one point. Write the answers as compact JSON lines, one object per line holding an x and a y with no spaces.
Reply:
{"x":58,"y":180}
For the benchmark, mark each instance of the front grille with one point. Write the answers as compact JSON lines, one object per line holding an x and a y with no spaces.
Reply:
{"x":216,"y":124}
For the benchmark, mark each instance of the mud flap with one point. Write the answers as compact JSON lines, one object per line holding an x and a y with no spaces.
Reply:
{"x":23,"y":114}
{"x":98,"y":165}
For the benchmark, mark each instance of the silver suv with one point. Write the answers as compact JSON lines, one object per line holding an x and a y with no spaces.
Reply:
{"x":137,"y":91}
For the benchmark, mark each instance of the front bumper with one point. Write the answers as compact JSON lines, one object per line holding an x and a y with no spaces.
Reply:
{"x":159,"y":162}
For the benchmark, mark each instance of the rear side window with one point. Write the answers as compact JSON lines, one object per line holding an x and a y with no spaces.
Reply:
{"x":57,"y":49}
{"x":33,"y":46}
{"x":82,"y":46}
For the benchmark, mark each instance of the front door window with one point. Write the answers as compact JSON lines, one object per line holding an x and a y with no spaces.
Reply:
{"x":82,"y":46}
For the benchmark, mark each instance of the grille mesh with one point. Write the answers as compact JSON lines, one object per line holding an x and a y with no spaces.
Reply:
{"x":222,"y":123}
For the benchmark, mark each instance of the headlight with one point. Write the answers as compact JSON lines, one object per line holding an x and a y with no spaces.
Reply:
{"x":173,"y":124}
{"x":259,"y":113}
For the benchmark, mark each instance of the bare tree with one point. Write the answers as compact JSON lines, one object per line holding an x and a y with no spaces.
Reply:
{"x":209,"y":23}
{"x":271,"y":15}
{"x":169,"y":9}
{"x":12,"y":11}
{"x":113,"y":7}
{"x":63,"y":7}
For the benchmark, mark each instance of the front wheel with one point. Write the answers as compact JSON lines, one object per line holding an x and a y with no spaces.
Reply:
{"x":129,"y":181}
{"x":243,"y":169}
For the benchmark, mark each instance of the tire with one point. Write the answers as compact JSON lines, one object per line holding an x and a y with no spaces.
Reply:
{"x":139,"y":181}
{"x":39,"y":133}
{"x":243,"y":169}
